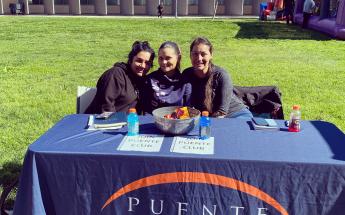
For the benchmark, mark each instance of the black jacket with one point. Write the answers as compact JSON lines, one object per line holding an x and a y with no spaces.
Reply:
{"x":261,"y":100}
{"x":117,"y":90}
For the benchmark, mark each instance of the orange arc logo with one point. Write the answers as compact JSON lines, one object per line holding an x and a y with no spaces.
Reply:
{"x":197,"y":177}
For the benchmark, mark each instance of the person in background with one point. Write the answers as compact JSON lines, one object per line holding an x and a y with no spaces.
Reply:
{"x":165,"y":86}
{"x":13,"y":8}
{"x":289,"y":10}
{"x":212,"y":88}
{"x":308,"y":8}
{"x":160,"y":9}
{"x":120,"y":87}
{"x":22,"y":9}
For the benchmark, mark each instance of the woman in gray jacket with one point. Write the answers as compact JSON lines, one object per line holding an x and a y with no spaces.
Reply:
{"x":212,"y":88}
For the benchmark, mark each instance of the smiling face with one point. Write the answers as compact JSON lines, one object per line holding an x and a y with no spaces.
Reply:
{"x":167,"y":60}
{"x":200,"y":58}
{"x":141,"y":63}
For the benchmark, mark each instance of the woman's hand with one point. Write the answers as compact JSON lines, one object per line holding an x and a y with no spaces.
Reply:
{"x":218,"y":114}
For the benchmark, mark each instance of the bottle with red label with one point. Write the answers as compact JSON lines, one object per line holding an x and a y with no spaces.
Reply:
{"x":295,"y":119}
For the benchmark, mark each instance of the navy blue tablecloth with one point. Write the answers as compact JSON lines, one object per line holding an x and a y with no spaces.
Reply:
{"x":70,"y":170}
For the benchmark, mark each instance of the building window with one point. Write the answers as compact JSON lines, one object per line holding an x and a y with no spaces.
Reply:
{"x":167,"y":2}
{"x":113,"y":2}
{"x":61,"y":2}
{"x":139,"y":2}
{"x":248,"y":2}
{"x":35,"y":1}
{"x":192,"y":2}
{"x":86,"y":2}
{"x":220,"y":2}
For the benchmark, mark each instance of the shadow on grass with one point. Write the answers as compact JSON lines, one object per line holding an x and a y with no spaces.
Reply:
{"x":276,"y":30}
{"x":9,"y":176}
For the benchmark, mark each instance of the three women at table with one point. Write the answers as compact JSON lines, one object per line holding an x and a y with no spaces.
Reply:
{"x":212,"y":88}
{"x":165,"y":86}
{"x":204,"y":86}
{"x":121,"y":87}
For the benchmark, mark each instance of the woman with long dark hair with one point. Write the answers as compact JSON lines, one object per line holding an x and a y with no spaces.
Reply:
{"x":165,"y":86}
{"x":120,"y":87}
{"x":212,"y":88}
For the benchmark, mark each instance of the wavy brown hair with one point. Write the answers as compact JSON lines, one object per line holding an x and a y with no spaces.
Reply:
{"x":208,"y":88}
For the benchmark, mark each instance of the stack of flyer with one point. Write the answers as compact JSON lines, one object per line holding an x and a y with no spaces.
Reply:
{"x":112,"y":121}
{"x":264,"y":124}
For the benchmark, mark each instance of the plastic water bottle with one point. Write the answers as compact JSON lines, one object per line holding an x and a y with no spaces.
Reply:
{"x":132,"y":122}
{"x":295,"y":119}
{"x":205,"y":126}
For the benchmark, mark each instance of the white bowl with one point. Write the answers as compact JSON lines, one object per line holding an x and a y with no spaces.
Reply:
{"x":175,"y":126}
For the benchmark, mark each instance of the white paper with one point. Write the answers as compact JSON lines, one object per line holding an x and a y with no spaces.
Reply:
{"x":142,"y":143}
{"x":193,"y":145}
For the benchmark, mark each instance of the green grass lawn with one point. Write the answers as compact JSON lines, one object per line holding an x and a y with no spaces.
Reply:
{"x":44,"y":59}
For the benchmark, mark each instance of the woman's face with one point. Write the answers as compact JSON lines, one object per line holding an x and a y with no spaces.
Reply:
{"x":200,"y":57}
{"x":167,"y":60}
{"x":141,"y":63}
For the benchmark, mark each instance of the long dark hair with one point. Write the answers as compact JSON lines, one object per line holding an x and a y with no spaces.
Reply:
{"x":139,"y":46}
{"x":208,"y":87}
{"x":173,"y":45}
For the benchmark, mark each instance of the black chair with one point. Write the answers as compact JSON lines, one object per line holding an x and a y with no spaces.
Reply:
{"x":262,"y":101}
{"x":5,"y":193}
{"x":9,"y":178}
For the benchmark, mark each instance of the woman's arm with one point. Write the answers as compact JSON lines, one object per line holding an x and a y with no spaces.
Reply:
{"x":223,"y":94}
{"x":109,"y":88}
{"x":146,"y":96}
{"x":187,"y":95}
